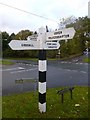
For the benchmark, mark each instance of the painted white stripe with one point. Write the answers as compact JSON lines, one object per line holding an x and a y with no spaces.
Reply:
{"x":85,"y":63}
{"x":42,"y":87}
{"x":68,"y":69}
{"x":42,"y":107}
{"x":42,"y":65}
{"x":80,"y":63}
{"x":62,"y":62}
{"x":75,"y":70}
{"x":23,"y":70}
{"x":20,"y":68}
{"x":83,"y":71}
{"x":13,"y":69}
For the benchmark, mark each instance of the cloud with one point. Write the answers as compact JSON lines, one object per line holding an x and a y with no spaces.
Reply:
{"x":12,"y":20}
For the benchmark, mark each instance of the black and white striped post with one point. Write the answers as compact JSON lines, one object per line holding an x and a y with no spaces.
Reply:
{"x":42,"y":80}
{"x":42,"y":73}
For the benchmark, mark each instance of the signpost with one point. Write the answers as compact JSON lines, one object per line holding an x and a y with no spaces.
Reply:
{"x":43,"y":41}
{"x":23,"y":45}
{"x":51,"y":45}
{"x":67,"y":33}
{"x":32,"y":37}
{"x":32,"y":45}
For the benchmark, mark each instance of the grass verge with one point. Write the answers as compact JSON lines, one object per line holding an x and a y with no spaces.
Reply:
{"x":6,"y":62}
{"x":33,"y":59}
{"x":86,"y":60}
{"x":25,"y":105}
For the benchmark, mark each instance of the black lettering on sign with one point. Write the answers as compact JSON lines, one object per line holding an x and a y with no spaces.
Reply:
{"x":59,"y":32}
{"x":48,"y":43}
{"x":57,"y":37}
{"x":27,"y":45}
{"x":52,"y":46}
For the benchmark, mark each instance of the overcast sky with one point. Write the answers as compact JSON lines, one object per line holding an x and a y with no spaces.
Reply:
{"x":12,"y":20}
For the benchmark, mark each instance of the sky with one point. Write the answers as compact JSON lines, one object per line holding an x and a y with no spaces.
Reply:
{"x":12,"y":20}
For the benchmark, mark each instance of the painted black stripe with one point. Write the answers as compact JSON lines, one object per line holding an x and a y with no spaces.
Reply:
{"x":42,"y":98}
{"x":42,"y":54}
{"x":42,"y":76}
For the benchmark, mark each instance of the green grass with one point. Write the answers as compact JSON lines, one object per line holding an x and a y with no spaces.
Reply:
{"x":0,"y":106}
{"x":25,"y":105}
{"x":6,"y":62}
{"x":86,"y":60}
{"x":33,"y":59}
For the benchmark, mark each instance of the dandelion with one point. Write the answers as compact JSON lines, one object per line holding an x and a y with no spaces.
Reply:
{"x":83,"y":98}
{"x":77,"y":105}
{"x":59,"y":117}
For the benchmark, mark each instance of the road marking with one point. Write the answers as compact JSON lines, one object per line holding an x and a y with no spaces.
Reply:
{"x":75,"y":71}
{"x":83,"y":71}
{"x":20,"y":68}
{"x":62,"y":62}
{"x":68,"y":70}
{"x":75,"y":63}
{"x":72,"y":70}
{"x":85,"y":63}
{"x":23,"y":70}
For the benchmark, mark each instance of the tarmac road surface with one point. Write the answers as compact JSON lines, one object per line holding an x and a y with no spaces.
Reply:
{"x":59,"y":73}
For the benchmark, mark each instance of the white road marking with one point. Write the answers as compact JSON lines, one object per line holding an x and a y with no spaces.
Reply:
{"x":13,"y":69}
{"x":23,"y":70}
{"x":62,"y":62}
{"x":75,"y":71}
{"x":80,"y":63}
{"x":83,"y":71}
{"x":68,"y":70}
{"x":85,"y":63}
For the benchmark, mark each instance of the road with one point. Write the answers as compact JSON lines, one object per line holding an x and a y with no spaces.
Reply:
{"x":59,"y":73}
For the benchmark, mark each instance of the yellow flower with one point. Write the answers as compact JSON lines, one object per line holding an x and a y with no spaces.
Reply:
{"x":77,"y":105}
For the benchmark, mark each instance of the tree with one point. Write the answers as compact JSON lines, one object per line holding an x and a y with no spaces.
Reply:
{"x":82,"y":27}
{"x":23,"y":34}
{"x":5,"y":37}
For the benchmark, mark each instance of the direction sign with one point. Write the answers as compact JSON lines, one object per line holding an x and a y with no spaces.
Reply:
{"x":32,"y":37}
{"x":32,"y":45}
{"x":51,"y":45}
{"x":23,"y":45}
{"x":67,"y":33}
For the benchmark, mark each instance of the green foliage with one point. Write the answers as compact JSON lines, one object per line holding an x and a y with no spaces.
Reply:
{"x":51,"y":53}
{"x":5,"y":37}
{"x":78,"y":44}
{"x":23,"y":34}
